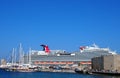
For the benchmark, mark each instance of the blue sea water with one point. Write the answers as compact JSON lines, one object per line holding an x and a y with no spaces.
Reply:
{"x":5,"y":74}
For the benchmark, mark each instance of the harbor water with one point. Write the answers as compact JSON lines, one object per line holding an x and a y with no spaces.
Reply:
{"x":5,"y":74}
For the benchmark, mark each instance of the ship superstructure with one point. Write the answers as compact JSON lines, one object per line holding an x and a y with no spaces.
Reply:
{"x":61,"y":57}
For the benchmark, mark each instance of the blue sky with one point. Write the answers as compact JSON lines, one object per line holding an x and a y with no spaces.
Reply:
{"x":61,"y":24}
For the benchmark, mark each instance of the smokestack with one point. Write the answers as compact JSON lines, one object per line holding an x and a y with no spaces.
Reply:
{"x":45,"y":48}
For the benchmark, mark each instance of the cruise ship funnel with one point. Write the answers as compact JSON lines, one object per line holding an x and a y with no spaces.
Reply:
{"x":45,"y":48}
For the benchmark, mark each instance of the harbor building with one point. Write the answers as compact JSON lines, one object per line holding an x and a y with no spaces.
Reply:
{"x":106,"y":63}
{"x":3,"y":62}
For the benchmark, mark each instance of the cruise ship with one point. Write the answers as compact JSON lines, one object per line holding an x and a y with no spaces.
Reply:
{"x":48,"y":57}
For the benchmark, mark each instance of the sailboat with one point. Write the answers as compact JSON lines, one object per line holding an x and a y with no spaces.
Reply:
{"x":26,"y":67}
{"x":21,"y":67}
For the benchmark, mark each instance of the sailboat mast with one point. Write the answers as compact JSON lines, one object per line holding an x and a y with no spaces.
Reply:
{"x":13,"y":56}
{"x":21,"y":57}
{"x":29,"y":55}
